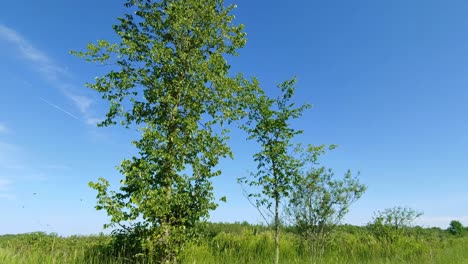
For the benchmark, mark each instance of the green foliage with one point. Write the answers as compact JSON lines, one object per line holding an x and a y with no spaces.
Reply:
{"x":169,"y":79}
{"x":456,"y":228}
{"x":319,"y":201}
{"x":393,"y":223}
{"x":277,"y":169}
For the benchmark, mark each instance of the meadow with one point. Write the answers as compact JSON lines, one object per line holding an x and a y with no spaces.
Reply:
{"x":245,"y":243}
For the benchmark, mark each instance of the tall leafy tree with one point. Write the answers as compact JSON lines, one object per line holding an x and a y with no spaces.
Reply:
{"x":277,"y":168}
{"x":170,"y":80}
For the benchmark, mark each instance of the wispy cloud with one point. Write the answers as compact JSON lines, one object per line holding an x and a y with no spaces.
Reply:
{"x":41,"y":61}
{"x":3,"y":128}
{"x":82,"y":102}
{"x":49,"y":70}
{"x":27,"y":50}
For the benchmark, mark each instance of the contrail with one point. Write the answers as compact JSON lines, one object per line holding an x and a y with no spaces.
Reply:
{"x":59,"y":108}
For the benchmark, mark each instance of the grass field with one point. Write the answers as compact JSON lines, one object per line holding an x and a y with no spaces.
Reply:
{"x":242,"y":243}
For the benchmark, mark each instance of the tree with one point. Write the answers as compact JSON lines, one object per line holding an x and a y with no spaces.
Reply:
{"x":277,"y":169}
{"x":456,"y":228}
{"x":391,"y":223}
{"x":169,"y":79}
{"x":319,"y":200}
{"x":397,"y":217}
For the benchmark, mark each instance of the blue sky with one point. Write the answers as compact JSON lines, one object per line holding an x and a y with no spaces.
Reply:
{"x":387,"y":79}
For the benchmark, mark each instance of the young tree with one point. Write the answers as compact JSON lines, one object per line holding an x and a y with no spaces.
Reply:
{"x":391,"y":223}
{"x":170,"y":80}
{"x":397,"y":217}
{"x":319,"y":200}
{"x":277,"y":169}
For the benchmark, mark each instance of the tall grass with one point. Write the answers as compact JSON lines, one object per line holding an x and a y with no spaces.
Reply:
{"x":243,"y":243}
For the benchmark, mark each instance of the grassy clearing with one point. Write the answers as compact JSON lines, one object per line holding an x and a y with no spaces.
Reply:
{"x":237,"y":243}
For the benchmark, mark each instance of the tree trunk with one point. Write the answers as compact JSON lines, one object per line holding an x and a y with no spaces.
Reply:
{"x":277,"y":202}
{"x":276,"y":229}
{"x":171,"y":257}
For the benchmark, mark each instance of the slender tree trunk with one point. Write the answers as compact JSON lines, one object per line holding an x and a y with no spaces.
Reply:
{"x":276,"y":229}
{"x":277,"y":202}
{"x":277,"y":197}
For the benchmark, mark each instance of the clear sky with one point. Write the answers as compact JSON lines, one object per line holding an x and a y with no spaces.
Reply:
{"x":387,"y":79}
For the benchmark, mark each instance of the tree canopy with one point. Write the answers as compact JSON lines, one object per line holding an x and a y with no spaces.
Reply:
{"x":170,"y":79}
